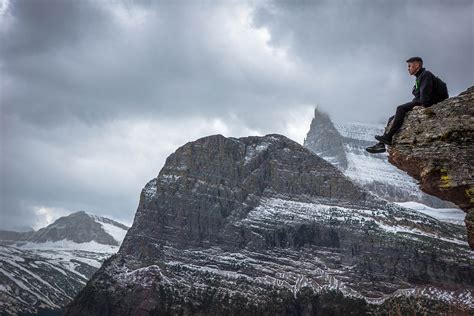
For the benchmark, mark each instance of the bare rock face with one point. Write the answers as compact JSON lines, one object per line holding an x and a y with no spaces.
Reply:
{"x":436,"y":146}
{"x":324,"y":139}
{"x":262,"y":226}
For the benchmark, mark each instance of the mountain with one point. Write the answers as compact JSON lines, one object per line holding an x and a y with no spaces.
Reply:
{"x":435,"y":145}
{"x":78,"y":227}
{"x":373,"y":172}
{"x":325,"y":140}
{"x":42,"y":271}
{"x":263,"y":226}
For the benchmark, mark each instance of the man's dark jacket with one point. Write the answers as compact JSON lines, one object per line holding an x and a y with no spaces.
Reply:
{"x":428,"y":88}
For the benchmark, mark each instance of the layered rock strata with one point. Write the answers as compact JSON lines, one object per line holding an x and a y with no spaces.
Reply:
{"x":262,"y":226}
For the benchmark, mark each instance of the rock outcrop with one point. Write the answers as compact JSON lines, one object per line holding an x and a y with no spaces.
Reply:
{"x":436,"y":146}
{"x":262,"y":226}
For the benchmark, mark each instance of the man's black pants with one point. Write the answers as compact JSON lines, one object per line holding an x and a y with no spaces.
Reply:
{"x":402,"y":110}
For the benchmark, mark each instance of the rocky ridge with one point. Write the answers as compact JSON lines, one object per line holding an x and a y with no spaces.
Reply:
{"x":436,"y":146}
{"x":262,"y":226}
{"x":78,"y":227}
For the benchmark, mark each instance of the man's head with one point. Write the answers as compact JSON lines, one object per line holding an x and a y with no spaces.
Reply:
{"x":414,"y":64}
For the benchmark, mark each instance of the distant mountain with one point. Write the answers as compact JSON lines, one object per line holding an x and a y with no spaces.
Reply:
{"x":78,"y":227}
{"x":263,"y":226}
{"x":324,"y":139}
{"x":347,"y":142}
{"x":43,"y":270}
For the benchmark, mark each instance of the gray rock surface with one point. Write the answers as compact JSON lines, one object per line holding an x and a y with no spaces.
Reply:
{"x":324,"y":139}
{"x":436,"y":146}
{"x":262,"y":226}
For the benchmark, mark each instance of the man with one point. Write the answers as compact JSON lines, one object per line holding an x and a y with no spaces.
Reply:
{"x":428,"y":90}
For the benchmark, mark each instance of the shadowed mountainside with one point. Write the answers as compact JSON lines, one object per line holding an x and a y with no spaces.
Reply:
{"x":262,"y":226}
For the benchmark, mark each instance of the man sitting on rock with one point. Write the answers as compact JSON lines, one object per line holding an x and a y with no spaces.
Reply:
{"x":428,"y":90}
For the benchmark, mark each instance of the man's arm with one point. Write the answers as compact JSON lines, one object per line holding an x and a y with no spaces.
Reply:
{"x":426,"y":88}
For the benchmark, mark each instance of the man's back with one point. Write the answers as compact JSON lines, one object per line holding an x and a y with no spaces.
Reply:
{"x":428,"y":88}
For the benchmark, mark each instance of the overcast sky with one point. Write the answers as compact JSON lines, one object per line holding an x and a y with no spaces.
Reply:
{"x":94,"y":95}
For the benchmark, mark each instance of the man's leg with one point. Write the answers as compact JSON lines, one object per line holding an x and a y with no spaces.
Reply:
{"x":389,"y":124}
{"x":380,"y":147}
{"x":396,"y":122}
{"x":390,"y":119}
{"x":399,"y":117}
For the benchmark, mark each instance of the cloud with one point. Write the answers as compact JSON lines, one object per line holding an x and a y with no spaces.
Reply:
{"x":101,"y":169}
{"x":172,"y":60}
{"x":356,"y":50}
{"x":94,"y":95}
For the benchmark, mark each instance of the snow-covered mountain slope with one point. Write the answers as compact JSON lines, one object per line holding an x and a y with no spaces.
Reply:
{"x":78,"y":227}
{"x":363,"y":132}
{"x":374,"y":172}
{"x":262,"y":226}
{"x":44,"y":270}
{"x":112,"y":228}
{"x":448,"y":215}
{"x":371,"y":171}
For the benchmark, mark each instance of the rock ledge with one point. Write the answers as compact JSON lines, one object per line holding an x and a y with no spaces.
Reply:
{"x":436,"y":146}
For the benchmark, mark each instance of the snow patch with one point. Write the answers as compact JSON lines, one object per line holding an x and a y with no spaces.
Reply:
{"x":150,"y":189}
{"x":449,"y":215}
{"x":253,"y":150}
{"x":365,"y":169}
{"x":361,"y":131}
{"x":117,"y":233}
{"x":91,"y":246}
{"x":275,"y":211}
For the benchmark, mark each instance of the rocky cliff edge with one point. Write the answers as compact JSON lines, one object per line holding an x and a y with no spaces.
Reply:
{"x":436,"y":146}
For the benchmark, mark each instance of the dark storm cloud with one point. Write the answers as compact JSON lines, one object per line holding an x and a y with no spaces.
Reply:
{"x":43,"y":25}
{"x":95,"y":94}
{"x":172,"y":63}
{"x":85,"y":83}
{"x":364,"y":44}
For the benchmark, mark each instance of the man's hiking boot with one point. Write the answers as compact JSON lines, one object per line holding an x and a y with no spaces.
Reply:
{"x":376,"y":149}
{"x":384,"y":139}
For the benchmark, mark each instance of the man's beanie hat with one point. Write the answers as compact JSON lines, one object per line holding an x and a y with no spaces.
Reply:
{"x":413,"y":59}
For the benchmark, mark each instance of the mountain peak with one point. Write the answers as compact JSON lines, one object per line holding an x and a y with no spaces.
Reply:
{"x":77,"y":227}
{"x":265,"y":225}
{"x":239,"y":171}
{"x":324,"y":139}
